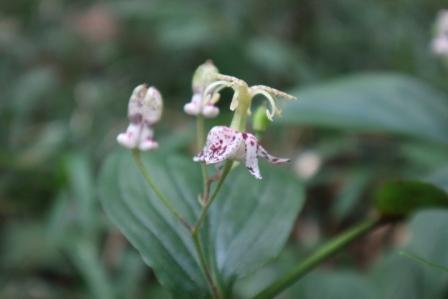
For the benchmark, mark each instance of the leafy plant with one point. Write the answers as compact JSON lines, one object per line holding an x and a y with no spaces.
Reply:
{"x":198,"y":239}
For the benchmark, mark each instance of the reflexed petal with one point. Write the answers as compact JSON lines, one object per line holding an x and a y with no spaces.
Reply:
{"x":274,"y":160}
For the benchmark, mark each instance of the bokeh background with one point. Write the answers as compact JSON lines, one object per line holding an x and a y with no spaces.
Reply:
{"x":66,"y":72}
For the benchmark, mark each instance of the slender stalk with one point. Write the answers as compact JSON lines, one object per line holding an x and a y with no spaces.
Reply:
{"x":200,"y":136}
{"x":205,"y":208}
{"x":138,"y":160}
{"x":239,"y":123}
{"x":204,"y":268}
{"x":326,"y":251}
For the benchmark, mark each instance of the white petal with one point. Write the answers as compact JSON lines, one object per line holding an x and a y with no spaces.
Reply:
{"x":251,"y":147}
{"x":131,"y":137}
{"x":136,"y":100}
{"x":146,"y":141}
{"x":192,"y":108}
{"x":210,"y":111}
{"x":147,"y":145}
{"x":440,"y":46}
{"x":152,"y":106}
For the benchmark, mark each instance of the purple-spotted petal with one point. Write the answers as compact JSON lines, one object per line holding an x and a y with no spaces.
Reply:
{"x":224,"y":143}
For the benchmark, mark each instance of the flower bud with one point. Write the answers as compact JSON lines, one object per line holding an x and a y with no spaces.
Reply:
{"x":260,"y":120}
{"x":144,"y":110}
{"x":439,"y":43}
{"x":204,"y":75}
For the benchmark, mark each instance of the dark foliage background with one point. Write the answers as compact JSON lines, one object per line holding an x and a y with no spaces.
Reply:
{"x":66,"y":72}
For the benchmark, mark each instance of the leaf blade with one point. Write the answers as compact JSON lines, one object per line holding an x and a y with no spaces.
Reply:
{"x":373,"y":102}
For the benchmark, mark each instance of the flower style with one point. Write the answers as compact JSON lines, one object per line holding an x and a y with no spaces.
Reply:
{"x":203,"y":76}
{"x":440,"y":41}
{"x":211,"y":94}
{"x":144,"y":110}
{"x":224,"y":143}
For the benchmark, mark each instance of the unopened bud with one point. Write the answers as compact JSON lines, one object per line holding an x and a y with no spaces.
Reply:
{"x":144,"y":110}
{"x":260,"y":121}
{"x":205,"y":74}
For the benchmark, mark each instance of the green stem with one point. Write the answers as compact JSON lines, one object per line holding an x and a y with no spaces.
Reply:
{"x":200,"y":136}
{"x":238,"y":123}
{"x":326,"y":251}
{"x":138,"y":160}
{"x":205,"y":208}
{"x":203,"y":265}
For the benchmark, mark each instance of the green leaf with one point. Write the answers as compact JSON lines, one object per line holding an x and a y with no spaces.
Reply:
{"x":402,"y":278}
{"x":248,"y":224}
{"x":251,"y":220}
{"x":439,"y":177}
{"x":152,"y":230}
{"x":374,"y":102}
{"x":423,"y":261}
{"x":337,"y":285}
{"x":401,"y":198}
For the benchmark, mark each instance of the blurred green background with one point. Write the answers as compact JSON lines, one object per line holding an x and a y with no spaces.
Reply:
{"x":67,"y":69}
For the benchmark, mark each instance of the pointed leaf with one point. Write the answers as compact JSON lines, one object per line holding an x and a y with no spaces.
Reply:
{"x":136,"y":210}
{"x":251,"y":220}
{"x":248,"y":223}
{"x":374,"y":102}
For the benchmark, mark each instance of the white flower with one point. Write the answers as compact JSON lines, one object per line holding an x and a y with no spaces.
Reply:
{"x":439,"y":43}
{"x":439,"y":46}
{"x":204,"y":75}
{"x":144,"y":110}
{"x":197,"y":106}
{"x":224,"y":143}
